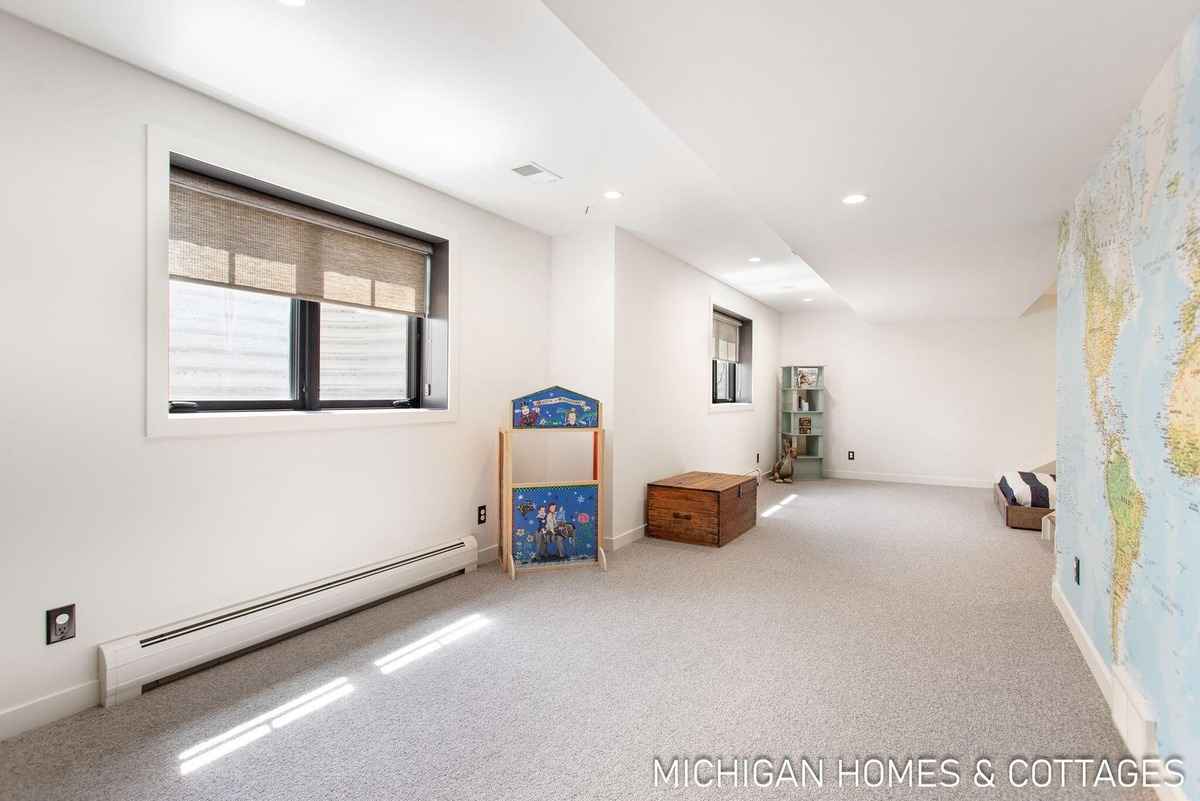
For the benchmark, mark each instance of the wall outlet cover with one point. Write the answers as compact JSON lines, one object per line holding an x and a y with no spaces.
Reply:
{"x":850,"y":455}
{"x":60,"y":624}
{"x":1076,"y":571}
{"x":481,"y":515}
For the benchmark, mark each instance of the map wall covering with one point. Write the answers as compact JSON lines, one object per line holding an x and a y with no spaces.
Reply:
{"x":1129,"y":404}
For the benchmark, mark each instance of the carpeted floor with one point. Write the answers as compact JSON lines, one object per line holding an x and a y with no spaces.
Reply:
{"x":859,"y":620}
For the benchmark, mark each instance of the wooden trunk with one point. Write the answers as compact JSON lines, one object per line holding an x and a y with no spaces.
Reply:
{"x":702,"y":508}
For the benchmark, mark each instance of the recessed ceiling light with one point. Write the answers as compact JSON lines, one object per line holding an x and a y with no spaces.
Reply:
{"x":755,"y":259}
{"x":613,"y":194}
{"x":854,"y":200}
{"x":808,"y":300}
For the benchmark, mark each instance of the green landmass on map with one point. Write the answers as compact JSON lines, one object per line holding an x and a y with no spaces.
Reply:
{"x":1105,"y":305}
{"x":1106,"y":302}
{"x":1183,"y":404}
{"x":1127,"y":507}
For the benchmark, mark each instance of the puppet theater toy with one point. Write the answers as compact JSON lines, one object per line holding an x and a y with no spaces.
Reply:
{"x":557,"y":523}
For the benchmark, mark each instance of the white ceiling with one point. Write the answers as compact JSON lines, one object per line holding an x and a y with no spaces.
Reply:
{"x":454,"y":94}
{"x":971,"y":124}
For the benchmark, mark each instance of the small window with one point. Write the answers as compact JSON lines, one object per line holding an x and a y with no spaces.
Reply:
{"x":276,"y":305}
{"x":724,"y":381}
{"x":731,"y":341}
{"x":228,"y":345}
{"x":364,"y":354}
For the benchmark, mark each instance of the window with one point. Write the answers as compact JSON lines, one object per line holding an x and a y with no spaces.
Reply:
{"x":731,"y":340}
{"x":228,"y":345}
{"x":724,"y":381}
{"x":276,"y":305}
{"x":364,"y":354}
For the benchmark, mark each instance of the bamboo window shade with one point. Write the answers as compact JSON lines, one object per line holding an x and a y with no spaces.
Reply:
{"x":726,"y":333}
{"x":228,"y":235}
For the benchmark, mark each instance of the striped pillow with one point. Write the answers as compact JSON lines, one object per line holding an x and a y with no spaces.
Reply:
{"x":1029,"y":489}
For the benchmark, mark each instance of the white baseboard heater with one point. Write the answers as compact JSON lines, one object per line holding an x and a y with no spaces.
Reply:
{"x":130,"y":663}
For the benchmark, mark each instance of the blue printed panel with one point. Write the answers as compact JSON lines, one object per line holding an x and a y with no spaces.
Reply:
{"x":1128,"y":366}
{"x":555,"y":407}
{"x":554,"y":524}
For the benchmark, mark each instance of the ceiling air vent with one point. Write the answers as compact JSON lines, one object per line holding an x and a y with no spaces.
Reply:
{"x":536,"y":173}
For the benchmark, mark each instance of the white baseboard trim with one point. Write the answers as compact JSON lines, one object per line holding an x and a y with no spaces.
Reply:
{"x":487,"y":554}
{"x":1095,"y":662}
{"x":619,"y":541}
{"x":49,"y":708}
{"x":1131,"y":713}
{"x":910,"y":478}
{"x":1165,"y":793}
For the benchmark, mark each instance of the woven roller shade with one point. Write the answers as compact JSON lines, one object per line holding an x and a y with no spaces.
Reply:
{"x":227,"y":235}
{"x":726,"y":332}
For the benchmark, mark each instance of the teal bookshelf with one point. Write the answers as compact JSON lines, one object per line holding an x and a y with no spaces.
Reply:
{"x":802,"y":418}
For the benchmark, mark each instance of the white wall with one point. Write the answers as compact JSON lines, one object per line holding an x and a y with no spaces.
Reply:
{"x":581,"y":319}
{"x":580,"y":326}
{"x":938,"y":402}
{"x":663,"y":379}
{"x":141,"y":532}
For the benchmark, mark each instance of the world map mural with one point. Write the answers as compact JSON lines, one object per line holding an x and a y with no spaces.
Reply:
{"x":1129,"y":403}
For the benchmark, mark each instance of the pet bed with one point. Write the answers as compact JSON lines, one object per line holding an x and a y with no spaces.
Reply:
{"x":1024,"y":498}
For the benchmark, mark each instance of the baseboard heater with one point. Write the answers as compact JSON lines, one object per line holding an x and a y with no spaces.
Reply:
{"x":130,"y":663}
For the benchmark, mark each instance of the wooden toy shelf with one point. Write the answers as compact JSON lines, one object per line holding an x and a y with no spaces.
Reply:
{"x":552,"y":524}
{"x":802,"y":418}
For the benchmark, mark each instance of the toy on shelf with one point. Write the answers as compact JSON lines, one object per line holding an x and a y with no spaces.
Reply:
{"x":782,"y":472}
{"x":557,"y":523}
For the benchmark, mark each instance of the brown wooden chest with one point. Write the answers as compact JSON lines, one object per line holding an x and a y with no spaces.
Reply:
{"x":702,"y":508}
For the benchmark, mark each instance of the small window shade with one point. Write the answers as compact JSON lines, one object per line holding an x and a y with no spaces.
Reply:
{"x":725,"y":337}
{"x":227,"y":235}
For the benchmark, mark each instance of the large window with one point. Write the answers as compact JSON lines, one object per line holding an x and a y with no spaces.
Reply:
{"x":232,"y":350}
{"x":276,"y":305}
{"x":730,"y":356}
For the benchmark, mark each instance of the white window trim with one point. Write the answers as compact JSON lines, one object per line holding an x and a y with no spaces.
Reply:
{"x":160,"y":144}
{"x":723,"y":408}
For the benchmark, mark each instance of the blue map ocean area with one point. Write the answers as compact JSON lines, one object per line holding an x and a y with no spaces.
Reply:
{"x":1159,"y":643}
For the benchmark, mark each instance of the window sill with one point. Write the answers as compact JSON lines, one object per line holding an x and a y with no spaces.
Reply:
{"x":720,"y":408}
{"x":218,"y":424}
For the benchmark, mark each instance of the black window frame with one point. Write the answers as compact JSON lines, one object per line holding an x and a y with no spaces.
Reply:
{"x":306,"y":373}
{"x":738,"y":370}
{"x":720,"y":364}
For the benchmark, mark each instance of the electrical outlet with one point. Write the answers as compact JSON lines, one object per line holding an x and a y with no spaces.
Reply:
{"x":1077,"y":571}
{"x":481,"y":515}
{"x":60,"y":624}
{"x":757,"y":457}
{"x":850,"y":455}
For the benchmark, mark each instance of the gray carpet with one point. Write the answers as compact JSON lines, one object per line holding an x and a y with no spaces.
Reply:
{"x":862,"y":619}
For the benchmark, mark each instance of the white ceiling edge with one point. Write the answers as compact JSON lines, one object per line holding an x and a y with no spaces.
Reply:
{"x":671,"y":198}
{"x":971,"y":126}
